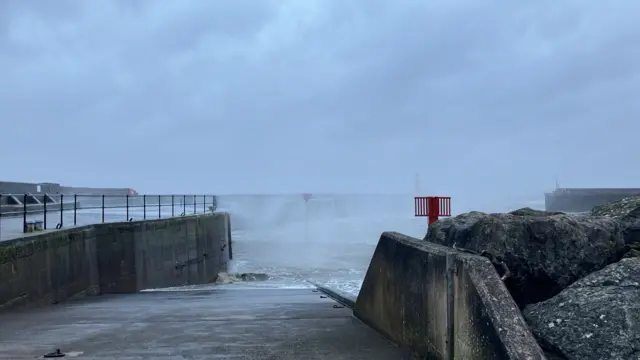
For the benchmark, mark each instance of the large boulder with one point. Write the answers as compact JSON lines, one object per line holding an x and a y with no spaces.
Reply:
{"x":595,"y":318}
{"x":543,"y":252}
{"x":627,"y":213}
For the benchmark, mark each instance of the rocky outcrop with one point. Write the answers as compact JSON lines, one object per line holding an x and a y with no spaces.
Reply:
{"x":541,"y":253}
{"x":595,"y":318}
{"x":627,"y":213}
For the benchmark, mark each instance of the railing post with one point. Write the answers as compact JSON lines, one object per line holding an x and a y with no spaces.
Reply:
{"x":194,"y":204}
{"x":159,"y":206}
{"x":75,"y":209}
{"x":61,"y":210}
{"x":44,"y":217}
{"x":144,"y":207}
{"x":204,"y":204}
{"x":0,"y":216}
{"x":434,"y":209}
{"x":102,"y":207}
{"x":127,"y":206}
{"x":184,"y":204}
{"x":172,"y":197}
{"x":24,"y":213}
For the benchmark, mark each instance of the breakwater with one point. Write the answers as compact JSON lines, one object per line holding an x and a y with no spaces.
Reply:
{"x":584,"y":199}
{"x":13,"y":187}
{"x":107,"y":258}
{"x":441,"y":303}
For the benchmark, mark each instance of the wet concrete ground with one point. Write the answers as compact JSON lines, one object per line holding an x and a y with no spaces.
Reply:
{"x":195,"y":325}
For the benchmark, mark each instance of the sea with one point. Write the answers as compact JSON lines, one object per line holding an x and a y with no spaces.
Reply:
{"x":327,"y":239}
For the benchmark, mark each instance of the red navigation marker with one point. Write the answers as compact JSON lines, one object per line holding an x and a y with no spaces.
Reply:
{"x":306,"y":197}
{"x":432,"y":207}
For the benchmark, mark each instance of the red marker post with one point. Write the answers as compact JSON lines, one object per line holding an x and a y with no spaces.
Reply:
{"x":432,"y":207}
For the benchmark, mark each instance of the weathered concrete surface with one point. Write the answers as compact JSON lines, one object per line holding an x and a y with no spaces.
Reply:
{"x":441,"y":303}
{"x":195,"y":325}
{"x":113,"y":258}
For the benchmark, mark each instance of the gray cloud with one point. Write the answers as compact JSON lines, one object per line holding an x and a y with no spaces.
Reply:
{"x":488,"y":101}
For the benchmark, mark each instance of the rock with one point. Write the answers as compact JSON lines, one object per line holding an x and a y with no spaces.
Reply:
{"x":627,"y":213}
{"x":552,"y":355}
{"x":254,"y":277}
{"x":634,"y":251}
{"x":595,"y":318}
{"x":531,"y":212}
{"x":227,"y":278}
{"x":619,"y":208}
{"x":544,"y":252}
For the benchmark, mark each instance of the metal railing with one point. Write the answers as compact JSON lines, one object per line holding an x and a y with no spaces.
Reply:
{"x":18,"y":212}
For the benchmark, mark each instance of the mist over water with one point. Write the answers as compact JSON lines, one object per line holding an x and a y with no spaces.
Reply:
{"x":330,"y":240}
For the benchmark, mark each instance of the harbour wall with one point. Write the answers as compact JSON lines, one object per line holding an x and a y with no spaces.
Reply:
{"x":108,"y":258}
{"x":584,"y":199}
{"x":12,"y":187}
{"x":440,"y":303}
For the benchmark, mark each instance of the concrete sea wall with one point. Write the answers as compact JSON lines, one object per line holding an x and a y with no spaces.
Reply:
{"x":113,"y":258}
{"x":441,"y":303}
{"x":582,"y":200}
{"x":14,"y":187}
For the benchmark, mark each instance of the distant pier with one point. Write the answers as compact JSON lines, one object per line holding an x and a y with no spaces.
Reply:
{"x":13,"y":187}
{"x":18,"y":197}
{"x":584,"y":199}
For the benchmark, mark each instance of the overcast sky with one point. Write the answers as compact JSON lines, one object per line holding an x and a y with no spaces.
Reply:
{"x":488,"y":100}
